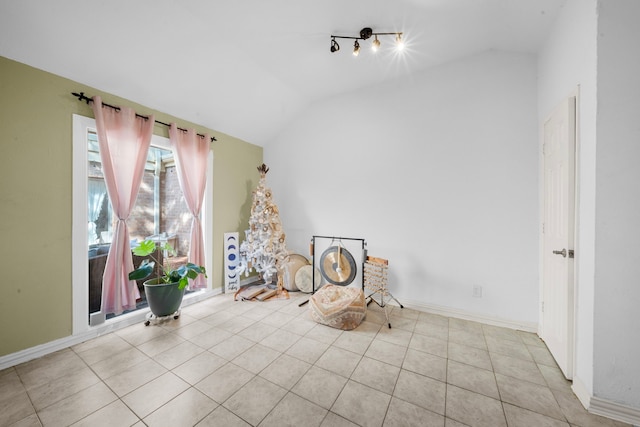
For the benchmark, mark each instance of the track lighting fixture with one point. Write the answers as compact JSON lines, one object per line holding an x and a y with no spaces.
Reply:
{"x":365,"y":34}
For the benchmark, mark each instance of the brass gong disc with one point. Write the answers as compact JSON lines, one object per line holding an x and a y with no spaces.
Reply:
{"x":337,"y":266}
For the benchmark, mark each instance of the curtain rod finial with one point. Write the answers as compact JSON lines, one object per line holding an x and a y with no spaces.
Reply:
{"x":81,"y":97}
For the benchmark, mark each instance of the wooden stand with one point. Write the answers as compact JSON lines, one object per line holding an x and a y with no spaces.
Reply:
{"x":375,"y":280}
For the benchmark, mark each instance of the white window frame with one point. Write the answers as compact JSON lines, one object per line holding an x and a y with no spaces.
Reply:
{"x":80,"y":265}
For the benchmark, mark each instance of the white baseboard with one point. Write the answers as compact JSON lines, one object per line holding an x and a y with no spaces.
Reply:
{"x":604,"y":407}
{"x":31,"y":353}
{"x":581,"y":391}
{"x":475,"y":317}
{"x":617,"y":411}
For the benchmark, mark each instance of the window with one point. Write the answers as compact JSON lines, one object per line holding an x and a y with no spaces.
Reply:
{"x":160,"y":213}
{"x":99,"y":214}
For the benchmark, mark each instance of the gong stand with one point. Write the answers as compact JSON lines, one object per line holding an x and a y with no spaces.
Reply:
{"x":332,"y":257}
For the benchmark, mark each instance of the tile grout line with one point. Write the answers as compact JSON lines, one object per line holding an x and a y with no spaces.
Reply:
{"x":35,"y":411}
{"x":493,"y":369}
{"x":106,"y":385}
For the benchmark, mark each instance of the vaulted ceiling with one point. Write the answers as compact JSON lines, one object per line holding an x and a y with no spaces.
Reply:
{"x":247,"y":67}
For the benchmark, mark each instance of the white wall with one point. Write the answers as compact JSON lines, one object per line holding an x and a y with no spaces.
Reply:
{"x":438,"y":172}
{"x":617,"y":291}
{"x":594,"y":45}
{"x":568,"y":60}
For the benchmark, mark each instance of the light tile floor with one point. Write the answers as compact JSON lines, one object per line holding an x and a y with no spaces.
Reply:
{"x":226,"y":363}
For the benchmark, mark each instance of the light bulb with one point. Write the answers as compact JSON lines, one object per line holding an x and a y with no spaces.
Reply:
{"x":375,"y":45}
{"x":399,"y":41}
{"x":356,"y":48}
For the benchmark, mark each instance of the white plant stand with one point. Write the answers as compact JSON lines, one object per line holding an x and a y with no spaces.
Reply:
{"x":152,"y":318}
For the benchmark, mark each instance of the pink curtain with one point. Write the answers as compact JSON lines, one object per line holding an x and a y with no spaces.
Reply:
{"x":124,"y":141}
{"x":191,"y":153}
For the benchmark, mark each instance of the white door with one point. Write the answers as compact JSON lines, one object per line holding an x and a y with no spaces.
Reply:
{"x":557,"y":329}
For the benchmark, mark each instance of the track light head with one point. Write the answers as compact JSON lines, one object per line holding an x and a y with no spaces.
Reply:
{"x":356,"y":48}
{"x":399,"y":41}
{"x":334,"y":45}
{"x":375,"y":44}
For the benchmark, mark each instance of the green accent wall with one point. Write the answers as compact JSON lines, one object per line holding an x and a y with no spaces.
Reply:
{"x":36,"y":111}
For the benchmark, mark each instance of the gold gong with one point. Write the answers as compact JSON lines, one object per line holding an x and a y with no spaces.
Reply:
{"x":337,"y":266}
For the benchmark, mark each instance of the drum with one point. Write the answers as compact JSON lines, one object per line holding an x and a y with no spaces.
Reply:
{"x":305,"y":278}
{"x":289,"y":270}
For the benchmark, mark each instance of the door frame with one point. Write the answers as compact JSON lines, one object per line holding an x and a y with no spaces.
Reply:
{"x":576,"y":222}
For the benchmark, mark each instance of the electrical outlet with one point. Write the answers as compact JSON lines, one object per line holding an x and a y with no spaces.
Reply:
{"x":477,"y":291}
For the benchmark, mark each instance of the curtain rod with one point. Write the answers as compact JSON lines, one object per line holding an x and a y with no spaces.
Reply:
{"x":82,"y":97}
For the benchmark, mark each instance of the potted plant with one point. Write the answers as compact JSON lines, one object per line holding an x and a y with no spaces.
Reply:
{"x":165,"y":291}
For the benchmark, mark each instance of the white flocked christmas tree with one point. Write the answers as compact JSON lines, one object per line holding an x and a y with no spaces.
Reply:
{"x":264,"y":249}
